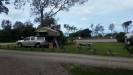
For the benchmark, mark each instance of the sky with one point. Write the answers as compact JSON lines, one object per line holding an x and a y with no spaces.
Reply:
{"x":95,"y":12}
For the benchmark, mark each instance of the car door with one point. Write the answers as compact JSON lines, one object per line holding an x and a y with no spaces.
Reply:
{"x":33,"y":41}
{"x":26,"y":41}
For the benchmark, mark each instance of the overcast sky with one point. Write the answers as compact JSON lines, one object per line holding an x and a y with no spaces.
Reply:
{"x":102,"y":12}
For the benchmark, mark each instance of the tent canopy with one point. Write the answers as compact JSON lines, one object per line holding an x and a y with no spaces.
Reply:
{"x":49,"y":31}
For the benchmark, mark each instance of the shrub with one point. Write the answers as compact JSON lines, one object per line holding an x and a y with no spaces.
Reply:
{"x":62,"y":39}
{"x":120,"y":37}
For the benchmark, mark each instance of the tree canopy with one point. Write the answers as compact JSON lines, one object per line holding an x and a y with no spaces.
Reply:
{"x":86,"y":33}
{"x":3,"y":8}
{"x":47,"y":8}
{"x":126,"y":26}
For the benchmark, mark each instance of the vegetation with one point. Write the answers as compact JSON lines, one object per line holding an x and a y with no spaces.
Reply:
{"x":120,"y":37}
{"x":107,"y":49}
{"x":70,"y":29}
{"x":86,"y":33}
{"x":87,"y":70}
{"x":126,"y":26}
{"x":39,"y":7}
{"x":111,"y":28}
{"x":11,"y":33}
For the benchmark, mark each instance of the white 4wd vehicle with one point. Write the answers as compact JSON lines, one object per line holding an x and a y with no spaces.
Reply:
{"x":129,"y":39}
{"x":32,"y":41}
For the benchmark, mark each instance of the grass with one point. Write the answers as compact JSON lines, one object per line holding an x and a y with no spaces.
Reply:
{"x":116,"y":48}
{"x":113,"y":49}
{"x":87,"y":70}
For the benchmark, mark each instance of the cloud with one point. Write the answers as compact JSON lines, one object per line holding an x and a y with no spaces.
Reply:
{"x":94,"y":11}
{"x":99,"y":11}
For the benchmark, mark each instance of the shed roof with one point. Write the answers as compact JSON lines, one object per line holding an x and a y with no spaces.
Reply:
{"x":50,"y":31}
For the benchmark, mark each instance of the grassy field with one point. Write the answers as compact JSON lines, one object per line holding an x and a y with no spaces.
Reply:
{"x":108,"y":49}
{"x":87,"y":70}
{"x":116,"y":48}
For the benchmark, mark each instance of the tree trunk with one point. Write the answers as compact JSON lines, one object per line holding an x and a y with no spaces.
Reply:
{"x":42,"y":16}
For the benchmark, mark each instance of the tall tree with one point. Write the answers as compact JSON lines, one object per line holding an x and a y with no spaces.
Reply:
{"x":101,"y":29}
{"x":47,"y":22}
{"x":29,"y":30}
{"x":6,"y":25}
{"x":111,"y":27}
{"x":18,"y":25}
{"x":3,"y":8}
{"x":18,"y":29}
{"x":97,"y":28}
{"x":92,"y":29}
{"x":67,"y":27}
{"x":48,"y":8}
{"x":126,"y":26}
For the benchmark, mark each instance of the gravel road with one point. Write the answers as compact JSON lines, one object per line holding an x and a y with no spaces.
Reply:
{"x":37,"y":63}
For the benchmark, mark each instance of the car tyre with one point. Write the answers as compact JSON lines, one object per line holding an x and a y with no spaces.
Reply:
{"x":37,"y":45}
{"x":19,"y":45}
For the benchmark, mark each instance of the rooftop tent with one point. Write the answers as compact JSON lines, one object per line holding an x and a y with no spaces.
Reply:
{"x":48,"y":31}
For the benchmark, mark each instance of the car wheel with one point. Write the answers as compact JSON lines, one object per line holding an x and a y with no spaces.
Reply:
{"x":19,"y":44}
{"x":38,"y":45}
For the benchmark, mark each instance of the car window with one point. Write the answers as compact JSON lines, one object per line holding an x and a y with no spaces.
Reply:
{"x":32,"y":38}
{"x":40,"y":38}
{"x":28,"y":38}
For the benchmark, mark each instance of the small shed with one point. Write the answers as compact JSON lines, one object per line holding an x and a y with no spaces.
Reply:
{"x":50,"y":34}
{"x":45,"y":31}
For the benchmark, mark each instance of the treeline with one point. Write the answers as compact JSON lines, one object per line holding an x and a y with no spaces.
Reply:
{"x":11,"y":33}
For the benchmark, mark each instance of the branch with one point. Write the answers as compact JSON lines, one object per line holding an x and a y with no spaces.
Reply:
{"x":60,"y":8}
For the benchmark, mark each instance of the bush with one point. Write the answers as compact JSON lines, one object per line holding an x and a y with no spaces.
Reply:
{"x":62,"y":39}
{"x":129,"y":49}
{"x":120,"y":37}
{"x":86,"y":33}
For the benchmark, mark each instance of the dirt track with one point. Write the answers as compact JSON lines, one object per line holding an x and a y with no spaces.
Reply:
{"x":36,"y":63}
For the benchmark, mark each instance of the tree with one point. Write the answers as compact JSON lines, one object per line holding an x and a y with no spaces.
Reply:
{"x":67,"y":27}
{"x":6,"y":24}
{"x":92,"y":29}
{"x":101,"y":29}
{"x":120,"y":37}
{"x":48,"y":8}
{"x":97,"y":28}
{"x":86,"y":33}
{"x":52,"y":7}
{"x":126,"y":26}
{"x":18,"y":29}
{"x":18,"y":25}
{"x":29,"y":30}
{"x":70,"y":28}
{"x":47,"y":22}
{"x":23,"y":29}
{"x":111,"y":27}
{"x":3,"y":8}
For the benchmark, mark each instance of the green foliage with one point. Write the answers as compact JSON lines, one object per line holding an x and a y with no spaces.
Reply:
{"x":19,"y":30}
{"x":87,"y":70}
{"x":106,"y":49}
{"x":129,"y":49}
{"x":6,"y":24}
{"x":120,"y":37}
{"x":62,"y":39}
{"x":47,"y":22}
{"x":126,"y":26}
{"x":86,"y":33}
{"x":113,"y":35}
{"x":3,"y":8}
{"x":117,"y":49}
{"x":6,"y":36}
